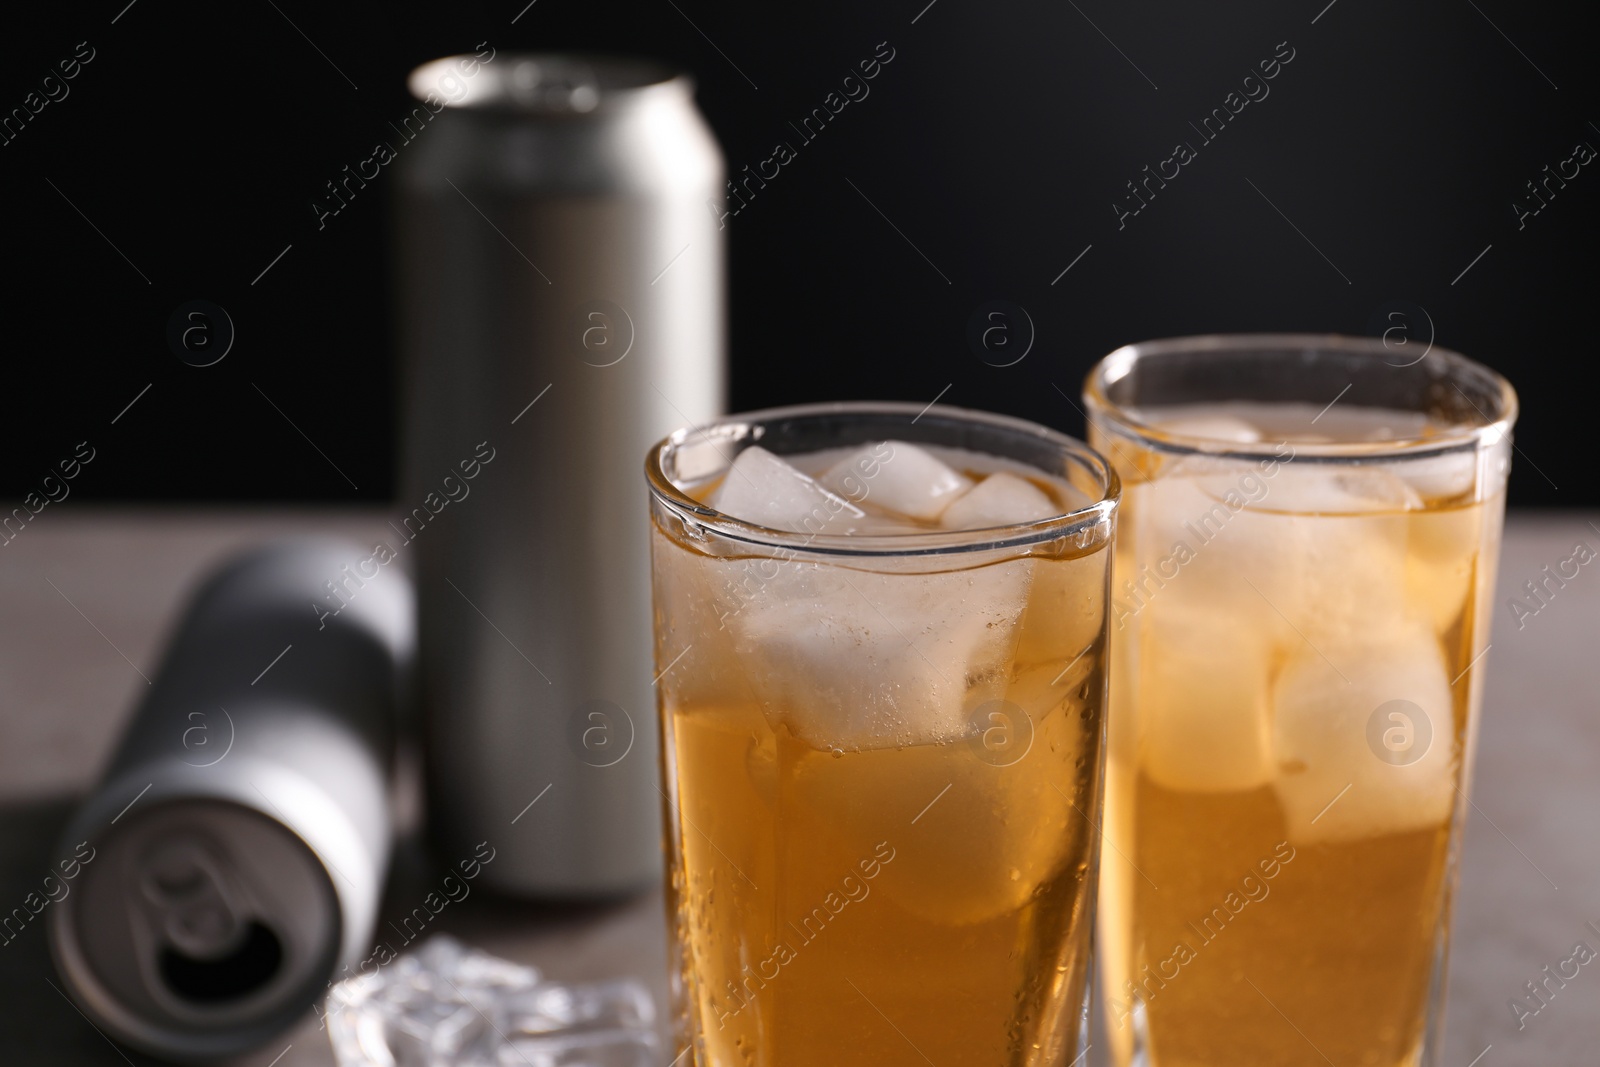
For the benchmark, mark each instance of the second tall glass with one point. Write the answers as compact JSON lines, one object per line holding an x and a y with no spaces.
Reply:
{"x":1304,"y":568}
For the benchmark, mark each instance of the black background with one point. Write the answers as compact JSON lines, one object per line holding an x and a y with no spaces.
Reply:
{"x":996,"y":140}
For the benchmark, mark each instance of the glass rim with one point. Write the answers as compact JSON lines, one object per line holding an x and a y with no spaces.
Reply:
{"x":1116,"y":365}
{"x":1076,"y":522}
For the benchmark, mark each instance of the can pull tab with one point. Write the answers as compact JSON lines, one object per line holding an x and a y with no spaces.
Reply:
{"x":193,"y":908}
{"x":556,"y":84}
{"x":212,"y":948}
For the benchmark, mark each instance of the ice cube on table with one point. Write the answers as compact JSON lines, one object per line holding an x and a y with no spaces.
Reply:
{"x":1001,"y":499}
{"x":762,"y":489}
{"x":896,"y":476}
{"x":862,"y":659}
{"x":446,"y":1005}
{"x":1323,"y":737}
{"x":1203,"y":700}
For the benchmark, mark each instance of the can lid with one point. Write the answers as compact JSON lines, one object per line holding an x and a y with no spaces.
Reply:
{"x":545,"y":83}
{"x":200,"y":930}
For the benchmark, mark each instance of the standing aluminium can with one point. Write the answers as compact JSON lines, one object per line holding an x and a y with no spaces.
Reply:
{"x":561,"y":303}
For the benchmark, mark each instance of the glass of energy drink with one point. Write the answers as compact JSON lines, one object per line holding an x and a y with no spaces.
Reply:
{"x":1303,"y":578}
{"x":880,"y":639}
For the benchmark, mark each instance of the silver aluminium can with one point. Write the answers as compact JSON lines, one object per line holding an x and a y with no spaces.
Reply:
{"x":231,"y":861}
{"x":561,"y":309}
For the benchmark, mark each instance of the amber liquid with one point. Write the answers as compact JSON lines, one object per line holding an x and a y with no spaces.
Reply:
{"x":885,"y":905}
{"x":1242,"y":922}
{"x":1335,"y":960}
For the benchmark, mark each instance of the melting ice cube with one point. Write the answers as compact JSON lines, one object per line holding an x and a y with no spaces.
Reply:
{"x":1001,"y":499}
{"x":1454,"y":474}
{"x":1441,"y":561}
{"x":1314,"y":489}
{"x":1203,"y":701}
{"x":1300,"y":550}
{"x":884,"y":652}
{"x":896,"y":476}
{"x":762,"y":489}
{"x":1213,"y":427}
{"x":1334,"y":780}
{"x":861,"y":659}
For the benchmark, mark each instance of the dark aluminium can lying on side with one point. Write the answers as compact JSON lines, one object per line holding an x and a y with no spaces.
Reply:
{"x":561,"y":304}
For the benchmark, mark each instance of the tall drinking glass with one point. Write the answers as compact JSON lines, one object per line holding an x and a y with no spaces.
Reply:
{"x":1303,"y":577}
{"x":883,"y":749}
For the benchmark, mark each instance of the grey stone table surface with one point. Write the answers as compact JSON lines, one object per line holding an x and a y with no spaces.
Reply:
{"x":88,"y":595}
